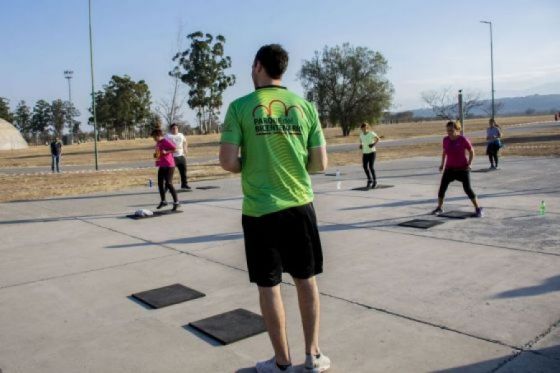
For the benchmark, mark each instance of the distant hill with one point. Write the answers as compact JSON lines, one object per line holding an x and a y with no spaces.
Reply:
{"x":538,"y":104}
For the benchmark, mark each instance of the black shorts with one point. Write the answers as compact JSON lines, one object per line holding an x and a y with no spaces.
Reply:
{"x":283,"y":241}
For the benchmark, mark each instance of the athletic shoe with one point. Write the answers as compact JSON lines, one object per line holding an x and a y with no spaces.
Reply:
{"x":479,"y":212}
{"x":185,"y":187}
{"x":437,"y":211}
{"x":368,"y":186}
{"x":314,"y":364}
{"x":374,"y":184}
{"x":492,"y":167}
{"x":176,"y":206}
{"x":161,"y":204}
{"x":269,"y":366}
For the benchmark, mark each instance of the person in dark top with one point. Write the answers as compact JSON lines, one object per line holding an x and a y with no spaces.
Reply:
{"x":56,"y":153}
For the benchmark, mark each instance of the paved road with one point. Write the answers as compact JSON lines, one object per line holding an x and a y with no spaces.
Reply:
{"x":336,"y":148}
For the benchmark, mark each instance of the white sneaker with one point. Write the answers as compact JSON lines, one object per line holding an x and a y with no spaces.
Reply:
{"x":269,"y":366}
{"x":315,"y":364}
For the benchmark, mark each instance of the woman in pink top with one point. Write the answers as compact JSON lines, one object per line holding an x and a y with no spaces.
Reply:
{"x":164,"y":160}
{"x":456,"y":166}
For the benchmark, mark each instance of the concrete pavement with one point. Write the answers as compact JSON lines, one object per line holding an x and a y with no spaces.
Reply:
{"x":476,"y":295}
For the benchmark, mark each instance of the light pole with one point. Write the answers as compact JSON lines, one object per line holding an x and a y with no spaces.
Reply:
{"x":491,"y":65}
{"x":92,"y":89}
{"x":68,"y":76}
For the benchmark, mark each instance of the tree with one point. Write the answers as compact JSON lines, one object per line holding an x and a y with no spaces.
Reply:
{"x":70,"y":113}
{"x":348,"y":85}
{"x":22,"y":118}
{"x":58,"y":116}
{"x":5,"y":112}
{"x":42,"y":117}
{"x":445,"y":104}
{"x":123,"y":106}
{"x":203,"y":70}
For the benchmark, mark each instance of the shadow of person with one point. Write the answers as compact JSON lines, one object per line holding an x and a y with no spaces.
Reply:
{"x":547,"y":286}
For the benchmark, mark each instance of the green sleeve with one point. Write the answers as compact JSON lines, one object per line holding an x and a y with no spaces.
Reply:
{"x":231,"y":132}
{"x":316,"y":137}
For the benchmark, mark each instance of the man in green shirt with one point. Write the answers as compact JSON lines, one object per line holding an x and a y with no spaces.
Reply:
{"x":368,"y":140}
{"x":281,"y":142}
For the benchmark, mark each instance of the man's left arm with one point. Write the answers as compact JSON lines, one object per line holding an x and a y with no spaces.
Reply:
{"x":229,"y":157}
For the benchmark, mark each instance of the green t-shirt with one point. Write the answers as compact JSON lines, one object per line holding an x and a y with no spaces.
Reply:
{"x":366,"y":140}
{"x":274,"y":128}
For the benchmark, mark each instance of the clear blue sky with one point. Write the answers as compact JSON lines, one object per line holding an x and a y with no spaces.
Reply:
{"x":429,"y":44}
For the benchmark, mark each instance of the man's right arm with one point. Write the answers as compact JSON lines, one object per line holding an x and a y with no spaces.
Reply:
{"x":317,"y":159}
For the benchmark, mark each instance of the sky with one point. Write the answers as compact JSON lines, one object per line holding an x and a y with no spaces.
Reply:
{"x":429,"y":44}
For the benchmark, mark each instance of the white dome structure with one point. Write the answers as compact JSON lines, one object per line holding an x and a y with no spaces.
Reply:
{"x":10,"y":138}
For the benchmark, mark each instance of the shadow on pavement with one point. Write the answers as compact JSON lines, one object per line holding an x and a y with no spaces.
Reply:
{"x":549,"y":361}
{"x":186,"y":240}
{"x":549,"y":285}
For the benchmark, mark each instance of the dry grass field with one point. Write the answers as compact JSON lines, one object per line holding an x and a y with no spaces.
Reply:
{"x":538,"y":143}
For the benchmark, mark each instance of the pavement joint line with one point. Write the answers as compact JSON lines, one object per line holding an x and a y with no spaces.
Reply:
{"x":535,"y":340}
{"x":169,"y":247}
{"x":83,"y":272}
{"x":442,"y":239}
{"x":424,"y":322}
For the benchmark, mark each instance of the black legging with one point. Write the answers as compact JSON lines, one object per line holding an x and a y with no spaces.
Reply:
{"x":367,"y":161}
{"x":165,"y":181}
{"x":492,"y":150}
{"x":460,"y":175}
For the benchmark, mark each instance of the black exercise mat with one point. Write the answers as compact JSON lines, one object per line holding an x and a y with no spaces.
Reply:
{"x":231,"y":326}
{"x":167,"y":295}
{"x":333,"y":174}
{"x":378,"y":186}
{"x":483,"y":170}
{"x":155,"y":215}
{"x":208,"y":187}
{"x":420,"y":223}
{"x":457,"y":214}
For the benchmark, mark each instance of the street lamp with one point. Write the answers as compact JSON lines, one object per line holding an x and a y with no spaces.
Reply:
{"x":491,"y":65}
{"x":92,"y":89}
{"x":68,"y":75}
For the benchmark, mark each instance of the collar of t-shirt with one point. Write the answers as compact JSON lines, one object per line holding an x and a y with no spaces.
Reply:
{"x":270,"y":86}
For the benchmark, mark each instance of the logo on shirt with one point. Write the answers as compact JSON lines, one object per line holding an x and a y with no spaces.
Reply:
{"x":288,"y":123}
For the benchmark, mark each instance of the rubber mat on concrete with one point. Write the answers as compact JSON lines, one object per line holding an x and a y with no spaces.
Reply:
{"x":378,"y":186}
{"x":167,"y":295}
{"x":420,"y":223}
{"x":457,"y":214}
{"x":231,"y":326}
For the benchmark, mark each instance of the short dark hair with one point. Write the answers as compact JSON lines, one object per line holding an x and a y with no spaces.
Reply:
{"x":173,"y":125}
{"x":274,"y":60}
{"x":157,"y":132}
